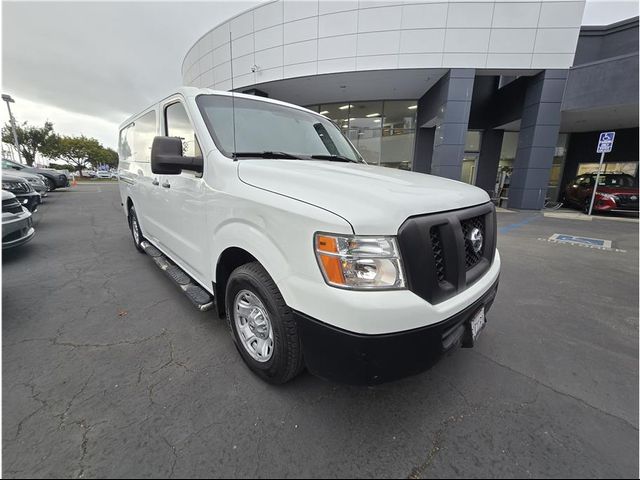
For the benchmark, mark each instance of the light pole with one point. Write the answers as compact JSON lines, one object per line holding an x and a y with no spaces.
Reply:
{"x":9,"y":100}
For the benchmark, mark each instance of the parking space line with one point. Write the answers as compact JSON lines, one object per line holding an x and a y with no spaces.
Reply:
{"x":513,"y":226}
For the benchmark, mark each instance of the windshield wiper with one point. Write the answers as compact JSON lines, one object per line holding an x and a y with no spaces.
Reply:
{"x":266,"y":155}
{"x":334,"y":158}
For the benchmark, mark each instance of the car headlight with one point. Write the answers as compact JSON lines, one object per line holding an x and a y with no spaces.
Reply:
{"x":359,"y":262}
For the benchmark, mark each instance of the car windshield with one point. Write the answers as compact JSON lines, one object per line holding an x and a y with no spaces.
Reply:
{"x":616,"y":180}
{"x":10,"y":164}
{"x":276,"y":131}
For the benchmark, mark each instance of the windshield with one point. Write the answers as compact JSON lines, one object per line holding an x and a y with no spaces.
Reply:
{"x":618,"y":180}
{"x":9,"y":164}
{"x":267,"y":127}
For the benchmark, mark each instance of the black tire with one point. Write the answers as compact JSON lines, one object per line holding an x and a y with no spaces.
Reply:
{"x":135,"y":224}
{"x":585,"y":207}
{"x":286,"y":360}
{"x":50,"y":185}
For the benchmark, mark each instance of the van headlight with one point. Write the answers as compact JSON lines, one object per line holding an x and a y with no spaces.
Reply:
{"x":359,"y":263}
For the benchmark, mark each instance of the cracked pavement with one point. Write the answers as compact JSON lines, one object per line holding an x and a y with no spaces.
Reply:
{"x":108,"y":370}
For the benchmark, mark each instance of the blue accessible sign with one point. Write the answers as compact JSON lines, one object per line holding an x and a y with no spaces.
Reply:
{"x":582,"y":241}
{"x":605,"y":142}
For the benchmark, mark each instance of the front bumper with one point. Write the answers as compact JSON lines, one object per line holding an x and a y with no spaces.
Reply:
{"x":17,"y":229}
{"x":610,"y":205}
{"x":41,"y":189}
{"x":358,"y":359}
{"x":29,"y":200}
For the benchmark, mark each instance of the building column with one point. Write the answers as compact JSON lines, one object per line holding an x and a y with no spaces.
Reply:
{"x":489,"y":159}
{"x":423,"y":149}
{"x":442,"y":120}
{"x":537,"y":140}
{"x":452,"y":122}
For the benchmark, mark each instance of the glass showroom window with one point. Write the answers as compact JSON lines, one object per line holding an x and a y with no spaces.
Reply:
{"x":383,"y":132}
{"x":472,"y":142}
{"x":398,"y":134}
{"x":505,"y":164}
{"x":364,"y":128}
{"x":338,"y":112}
{"x":555,"y":176}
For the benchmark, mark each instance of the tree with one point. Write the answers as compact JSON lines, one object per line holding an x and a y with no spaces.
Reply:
{"x":32,"y":140}
{"x":79,"y":152}
{"x":106,"y":156}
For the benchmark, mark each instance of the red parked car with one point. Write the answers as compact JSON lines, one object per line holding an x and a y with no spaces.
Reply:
{"x":616,"y":192}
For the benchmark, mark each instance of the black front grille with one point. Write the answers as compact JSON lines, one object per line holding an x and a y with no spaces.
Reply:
{"x":18,"y":234}
{"x":438,"y":254}
{"x":468,"y":226}
{"x":626,"y":200}
{"x":11,"y":205}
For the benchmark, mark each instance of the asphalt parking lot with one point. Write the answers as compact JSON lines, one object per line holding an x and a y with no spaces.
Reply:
{"x":108,"y":371}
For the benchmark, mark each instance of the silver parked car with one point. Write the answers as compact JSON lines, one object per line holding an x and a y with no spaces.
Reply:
{"x":17,"y":224}
{"x":36,"y":180}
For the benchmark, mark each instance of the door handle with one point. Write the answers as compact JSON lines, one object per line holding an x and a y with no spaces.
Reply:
{"x":155,"y":182}
{"x":166,"y":185}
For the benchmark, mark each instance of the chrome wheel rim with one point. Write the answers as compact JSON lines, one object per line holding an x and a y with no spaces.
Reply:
{"x":134,"y":230}
{"x":253,"y":325}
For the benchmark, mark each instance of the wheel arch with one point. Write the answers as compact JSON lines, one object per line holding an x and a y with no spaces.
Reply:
{"x":230,"y":259}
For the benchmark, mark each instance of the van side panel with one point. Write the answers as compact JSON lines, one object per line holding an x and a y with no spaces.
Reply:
{"x":134,"y":166}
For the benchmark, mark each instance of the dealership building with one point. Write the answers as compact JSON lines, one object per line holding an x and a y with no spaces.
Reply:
{"x":507,"y":95}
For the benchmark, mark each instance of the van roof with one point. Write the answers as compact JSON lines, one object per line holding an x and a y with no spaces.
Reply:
{"x":190,"y":92}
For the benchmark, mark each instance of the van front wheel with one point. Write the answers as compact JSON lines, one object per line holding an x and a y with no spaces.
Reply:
{"x":262,"y":325}
{"x":134,"y":226}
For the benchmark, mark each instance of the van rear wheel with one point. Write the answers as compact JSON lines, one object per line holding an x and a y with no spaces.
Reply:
{"x":262,"y":325}
{"x":134,"y":226}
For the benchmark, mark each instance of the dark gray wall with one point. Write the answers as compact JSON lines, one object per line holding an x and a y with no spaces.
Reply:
{"x":493,"y":106}
{"x":601,"y":42}
{"x":604,"y":83}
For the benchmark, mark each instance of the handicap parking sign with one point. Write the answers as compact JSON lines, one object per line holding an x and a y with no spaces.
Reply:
{"x":605,"y":142}
{"x":582,"y":241}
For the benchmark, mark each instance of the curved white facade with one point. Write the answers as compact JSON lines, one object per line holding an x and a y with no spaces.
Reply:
{"x":286,"y":39}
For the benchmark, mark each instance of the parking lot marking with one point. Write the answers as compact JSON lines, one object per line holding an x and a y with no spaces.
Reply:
{"x":586,"y":241}
{"x":513,"y":226}
{"x":593,"y":243}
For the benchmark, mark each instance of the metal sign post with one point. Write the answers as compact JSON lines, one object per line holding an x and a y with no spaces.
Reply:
{"x":605,"y":145}
{"x":9,"y":100}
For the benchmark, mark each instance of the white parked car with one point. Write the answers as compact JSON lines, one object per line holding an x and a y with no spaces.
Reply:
{"x":17,"y":222}
{"x":103,"y":174}
{"x":361,"y":273}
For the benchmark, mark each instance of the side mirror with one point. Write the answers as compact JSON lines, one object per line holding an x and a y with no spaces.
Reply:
{"x":167,"y":158}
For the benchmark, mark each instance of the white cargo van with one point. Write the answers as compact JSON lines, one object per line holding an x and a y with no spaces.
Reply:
{"x":265,"y":211}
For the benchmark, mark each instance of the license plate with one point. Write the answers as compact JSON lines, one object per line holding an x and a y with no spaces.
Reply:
{"x":477,"y":323}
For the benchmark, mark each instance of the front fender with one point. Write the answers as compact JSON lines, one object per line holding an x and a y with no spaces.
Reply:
{"x":253,"y":239}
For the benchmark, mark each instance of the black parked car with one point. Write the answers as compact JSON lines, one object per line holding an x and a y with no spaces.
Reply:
{"x":24,"y":192}
{"x":53,"y":178}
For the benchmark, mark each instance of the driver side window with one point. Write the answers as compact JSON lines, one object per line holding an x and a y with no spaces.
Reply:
{"x":178,"y":125}
{"x":586,"y":182}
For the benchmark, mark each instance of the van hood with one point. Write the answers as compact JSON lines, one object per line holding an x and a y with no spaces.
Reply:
{"x":374,"y":200}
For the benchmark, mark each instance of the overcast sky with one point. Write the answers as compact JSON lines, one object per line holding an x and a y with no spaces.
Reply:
{"x":86,"y":66}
